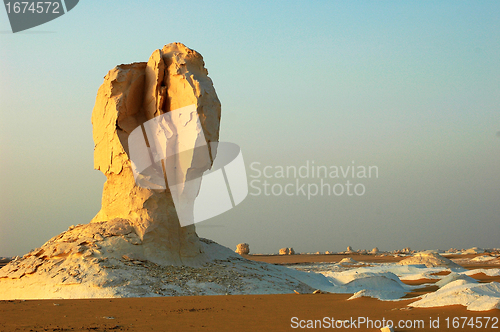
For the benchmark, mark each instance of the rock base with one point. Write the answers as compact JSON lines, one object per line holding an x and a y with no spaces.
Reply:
{"x":103,"y":260}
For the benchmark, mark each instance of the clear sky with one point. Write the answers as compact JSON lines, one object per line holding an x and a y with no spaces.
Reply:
{"x":411,"y":87}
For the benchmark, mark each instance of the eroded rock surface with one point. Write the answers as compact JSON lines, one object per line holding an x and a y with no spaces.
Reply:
{"x":243,"y":249}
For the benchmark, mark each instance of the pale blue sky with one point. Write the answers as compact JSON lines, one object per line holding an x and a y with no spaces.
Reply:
{"x":409,"y":86}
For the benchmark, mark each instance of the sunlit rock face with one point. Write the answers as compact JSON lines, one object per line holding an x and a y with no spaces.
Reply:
{"x":173,"y":78}
{"x":243,"y":249}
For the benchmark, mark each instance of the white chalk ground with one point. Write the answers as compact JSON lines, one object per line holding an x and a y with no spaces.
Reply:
{"x":473,"y":295}
{"x":349,"y":261}
{"x":103,"y":260}
{"x":383,"y":281}
{"x":68,"y":267}
{"x":77,"y":277}
{"x":479,"y":260}
{"x":483,"y":259}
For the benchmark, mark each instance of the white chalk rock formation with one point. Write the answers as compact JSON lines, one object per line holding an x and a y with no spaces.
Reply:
{"x":349,"y":249}
{"x":243,"y":249}
{"x":485,"y":259}
{"x":406,"y":250}
{"x":430,"y":259}
{"x":174,"y":77}
{"x":374,"y":251}
{"x":135,"y":245}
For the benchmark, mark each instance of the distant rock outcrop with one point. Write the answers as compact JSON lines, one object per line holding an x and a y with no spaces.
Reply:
{"x":243,"y":249}
{"x":287,"y":251}
{"x":404,"y":251}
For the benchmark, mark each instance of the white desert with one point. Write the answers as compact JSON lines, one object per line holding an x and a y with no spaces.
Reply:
{"x":133,"y":267}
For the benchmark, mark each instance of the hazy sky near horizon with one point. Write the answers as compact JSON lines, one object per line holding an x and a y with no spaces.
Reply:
{"x":410,"y":87}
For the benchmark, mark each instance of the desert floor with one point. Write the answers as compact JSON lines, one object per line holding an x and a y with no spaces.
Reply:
{"x":240,"y":312}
